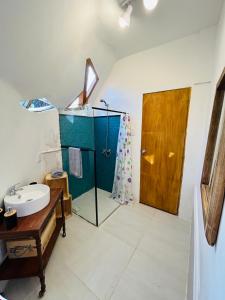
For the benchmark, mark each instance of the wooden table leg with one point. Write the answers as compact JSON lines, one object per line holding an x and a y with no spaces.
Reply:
{"x":41,"y":266}
{"x":63,"y":216}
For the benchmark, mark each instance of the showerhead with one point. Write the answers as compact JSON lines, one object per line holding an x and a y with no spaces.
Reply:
{"x":103,"y":101}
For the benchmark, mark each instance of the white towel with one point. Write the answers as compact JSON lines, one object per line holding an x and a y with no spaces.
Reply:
{"x":75,"y":162}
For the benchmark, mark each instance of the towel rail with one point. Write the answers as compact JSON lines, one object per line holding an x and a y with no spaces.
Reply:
{"x":51,"y":151}
{"x":81,"y":148}
{"x":64,"y":148}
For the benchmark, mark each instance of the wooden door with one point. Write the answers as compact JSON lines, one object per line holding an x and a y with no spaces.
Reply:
{"x":164,"y":124}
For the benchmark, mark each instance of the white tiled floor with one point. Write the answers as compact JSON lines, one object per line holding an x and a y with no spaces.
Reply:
{"x":84,"y":205}
{"x":139,"y":253}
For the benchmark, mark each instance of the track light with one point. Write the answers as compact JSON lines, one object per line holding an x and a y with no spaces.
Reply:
{"x":150,"y":4}
{"x":124,"y":20}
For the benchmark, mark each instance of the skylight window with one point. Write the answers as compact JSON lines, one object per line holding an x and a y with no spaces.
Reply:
{"x":37,"y":105}
{"x":90,"y":81}
{"x":76,"y":103}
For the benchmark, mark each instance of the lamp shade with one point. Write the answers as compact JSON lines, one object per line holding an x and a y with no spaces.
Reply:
{"x":150,"y":4}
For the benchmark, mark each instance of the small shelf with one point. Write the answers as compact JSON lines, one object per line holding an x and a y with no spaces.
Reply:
{"x":28,"y":267}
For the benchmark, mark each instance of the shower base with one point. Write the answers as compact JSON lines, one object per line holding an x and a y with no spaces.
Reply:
{"x":84,"y":206}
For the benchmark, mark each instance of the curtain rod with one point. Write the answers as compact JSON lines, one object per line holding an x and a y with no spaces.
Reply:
{"x":109,"y":110}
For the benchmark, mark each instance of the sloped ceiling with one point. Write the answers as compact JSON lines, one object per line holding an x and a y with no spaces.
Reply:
{"x":172,"y":19}
{"x":44,"y":43}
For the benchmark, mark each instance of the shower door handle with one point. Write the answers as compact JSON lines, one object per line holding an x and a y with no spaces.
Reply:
{"x":143,"y":151}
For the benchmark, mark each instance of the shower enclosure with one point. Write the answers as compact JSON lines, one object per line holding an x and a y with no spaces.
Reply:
{"x":97,"y":137}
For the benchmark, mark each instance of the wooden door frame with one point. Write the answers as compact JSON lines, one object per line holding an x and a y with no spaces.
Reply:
{"x":185,"y":138}
{"x":213,"y":176}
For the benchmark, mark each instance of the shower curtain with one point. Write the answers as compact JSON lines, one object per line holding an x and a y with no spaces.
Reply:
{"x":122,"y":186}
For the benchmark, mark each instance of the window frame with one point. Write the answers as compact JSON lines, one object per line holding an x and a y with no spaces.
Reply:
{"x":213,"y":175}
{"x":80,"y":96}
{"x":83,"y":94}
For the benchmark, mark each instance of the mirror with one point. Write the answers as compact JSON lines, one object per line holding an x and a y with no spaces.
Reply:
{"x":213,"y":175}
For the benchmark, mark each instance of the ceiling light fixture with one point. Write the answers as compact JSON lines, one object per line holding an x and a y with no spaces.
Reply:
{"x":150,"y":4}
{"x":124,"y":20}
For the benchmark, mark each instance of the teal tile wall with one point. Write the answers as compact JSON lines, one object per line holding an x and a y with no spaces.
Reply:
{"x":89,"y":132}
{"x":106,"y":166}
{"x":78,"y":132}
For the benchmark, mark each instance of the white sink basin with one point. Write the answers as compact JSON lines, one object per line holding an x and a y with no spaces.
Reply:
{"x":29,"y":199}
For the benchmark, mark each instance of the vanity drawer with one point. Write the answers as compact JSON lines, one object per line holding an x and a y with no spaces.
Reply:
{"x":27,"y":248}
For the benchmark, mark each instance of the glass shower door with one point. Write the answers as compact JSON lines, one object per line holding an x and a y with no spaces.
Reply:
{"x":78,"y":132}
{"x":106,"y":129}
{"x":97,"y":138}
{"x":85,"y":202}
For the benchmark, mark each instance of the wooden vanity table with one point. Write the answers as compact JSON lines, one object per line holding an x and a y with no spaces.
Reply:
{"x":32,"y":227}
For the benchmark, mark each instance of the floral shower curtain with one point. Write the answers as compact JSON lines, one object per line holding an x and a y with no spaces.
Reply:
{"x":122,"y":186}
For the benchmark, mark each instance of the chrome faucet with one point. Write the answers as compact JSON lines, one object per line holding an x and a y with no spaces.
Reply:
{"x":12,"y":190}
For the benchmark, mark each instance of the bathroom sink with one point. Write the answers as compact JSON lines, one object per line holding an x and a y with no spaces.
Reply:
{"x":28,"y":199}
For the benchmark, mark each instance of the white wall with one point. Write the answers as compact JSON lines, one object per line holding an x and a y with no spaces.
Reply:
{"x":178,"y":64}
{"x":44,"y":46}
{"x":211,"y":260}
{"x":23,"y":135}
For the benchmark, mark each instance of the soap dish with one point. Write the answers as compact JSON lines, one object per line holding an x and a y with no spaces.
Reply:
{"x":57,"y":173}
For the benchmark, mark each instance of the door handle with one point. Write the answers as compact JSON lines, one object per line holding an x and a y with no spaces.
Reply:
{"x":143,"y":151}
{"x":171,"y":154}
